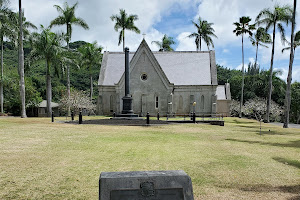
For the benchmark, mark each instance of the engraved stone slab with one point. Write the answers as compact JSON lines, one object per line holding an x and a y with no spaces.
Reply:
{"x":145,"y":185}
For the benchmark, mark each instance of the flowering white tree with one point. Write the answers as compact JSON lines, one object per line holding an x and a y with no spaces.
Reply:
{"x":256,"y":108}
{"x":78,"y":101}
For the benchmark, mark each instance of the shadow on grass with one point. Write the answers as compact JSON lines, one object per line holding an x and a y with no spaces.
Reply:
{"x":294,"y":163}
{"x":264,"y":131}
{"x":242,"y":122}
{"x":293,"y":144}
{"x":291,"y":189}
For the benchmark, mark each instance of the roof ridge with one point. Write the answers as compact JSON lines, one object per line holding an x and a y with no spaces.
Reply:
{"x":158,"y":52}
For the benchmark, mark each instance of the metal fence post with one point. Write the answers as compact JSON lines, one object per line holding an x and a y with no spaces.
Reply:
{"x":148,"y":116}
{"x":52,"y":116}
{"x":80,"y":118}
{"x":194,"y":117}
{"x":72,"y":115}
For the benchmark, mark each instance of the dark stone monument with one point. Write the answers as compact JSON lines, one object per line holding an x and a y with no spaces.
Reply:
{"x":145,"y":185}
{"x":127,"y":99}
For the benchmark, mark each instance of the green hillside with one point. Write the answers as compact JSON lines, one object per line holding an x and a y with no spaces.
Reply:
{"x":35,"y":79}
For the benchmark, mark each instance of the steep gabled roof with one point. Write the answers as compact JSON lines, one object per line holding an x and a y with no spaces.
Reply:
{"x":180,"y":67}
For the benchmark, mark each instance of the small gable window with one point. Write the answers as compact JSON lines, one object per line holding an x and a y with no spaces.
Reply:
{"x":144,"y":77}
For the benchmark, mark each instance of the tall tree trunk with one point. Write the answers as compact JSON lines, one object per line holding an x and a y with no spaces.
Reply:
{"x":21,"y":63}
{"x":68,"y":83}
{"x":242,"y":93}
{"x":287,"y":101}
{"x":270,"y":78}
{"x":256,"y":55}
{"x":123,"y":40}
{"x":1,"y":80}
{"x":49,"y":89}
{"x":200,"y":43}
{"x":91,"y":92}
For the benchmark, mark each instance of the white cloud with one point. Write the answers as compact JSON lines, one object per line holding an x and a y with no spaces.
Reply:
{"x":295,"y":73}
{"x":224,"y":13}
{"x":225,"y":51}
{"x":185,"y":43}
{"x":252,"y":60}
{"x":97,"y":15}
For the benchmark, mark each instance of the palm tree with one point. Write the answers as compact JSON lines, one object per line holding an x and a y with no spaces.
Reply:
{"x":273,"y":18}
{"x":243,"y":27}
{"x":46,"y":46}
{"x":123,"y":21}
{"x":165,"y":43}
{"x":287,"y":102}
{"x":260,"y":37}
{"x":25,"y":26}
{"x":90,"y":57}
{"x":204,"y":32}
{"x":67,"y":17}
{"x":296,"y":43}
{"x":22,"y":27}
{"x":6,"y":30}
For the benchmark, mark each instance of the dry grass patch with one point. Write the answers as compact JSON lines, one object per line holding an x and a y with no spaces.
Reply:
{"x":44,"y":160}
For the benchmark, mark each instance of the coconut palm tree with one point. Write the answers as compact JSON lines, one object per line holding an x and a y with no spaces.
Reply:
{"x":7,"y":30}
{"x":296,"y":42}
{"x":46,"y":46}
{"x":273,"y":18}
{"x":287,"y":102}
{"x":204,"y":32}
{"x":21,"y":63}
{"x":165,"y":43}
{"x":90,"y":57}
{"x":67,"y":17}
{"x":124,"y":22}
{"x":243,"y":27}
{"x":260,"y":38}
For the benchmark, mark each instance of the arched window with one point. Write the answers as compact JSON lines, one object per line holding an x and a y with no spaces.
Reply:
{"x":202,"y":102}
{"x":180,"y":105}
{"x":111,"y":103}
{"x":156,"y":102}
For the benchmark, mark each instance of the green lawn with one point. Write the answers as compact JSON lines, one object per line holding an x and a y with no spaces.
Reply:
{"x":44,"y":160}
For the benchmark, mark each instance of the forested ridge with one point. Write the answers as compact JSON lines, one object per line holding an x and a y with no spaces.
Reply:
{"x":35,"y":79}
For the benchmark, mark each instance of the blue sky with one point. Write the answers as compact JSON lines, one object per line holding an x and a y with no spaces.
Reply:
{"x":174,"y":22}
{"x":171,"y":17}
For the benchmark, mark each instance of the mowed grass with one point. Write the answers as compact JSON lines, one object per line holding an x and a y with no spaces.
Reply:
{"x":44,"y":160}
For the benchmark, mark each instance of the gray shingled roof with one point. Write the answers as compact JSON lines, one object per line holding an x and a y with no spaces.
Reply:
{"x":114,"y":68}
{"x":43,"y":104}
{"x":185,"y":68}
{"x":181,"y":68}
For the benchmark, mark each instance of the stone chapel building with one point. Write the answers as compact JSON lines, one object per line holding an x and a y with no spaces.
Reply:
{"x":164,"y":82}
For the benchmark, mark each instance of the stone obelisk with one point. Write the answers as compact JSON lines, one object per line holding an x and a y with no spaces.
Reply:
{"x":127,"y":99}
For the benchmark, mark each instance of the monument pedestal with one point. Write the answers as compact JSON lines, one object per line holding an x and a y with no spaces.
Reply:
{"x":127,"y":111}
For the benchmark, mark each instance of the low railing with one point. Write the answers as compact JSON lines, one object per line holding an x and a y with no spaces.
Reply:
{"x":198,"y":116}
